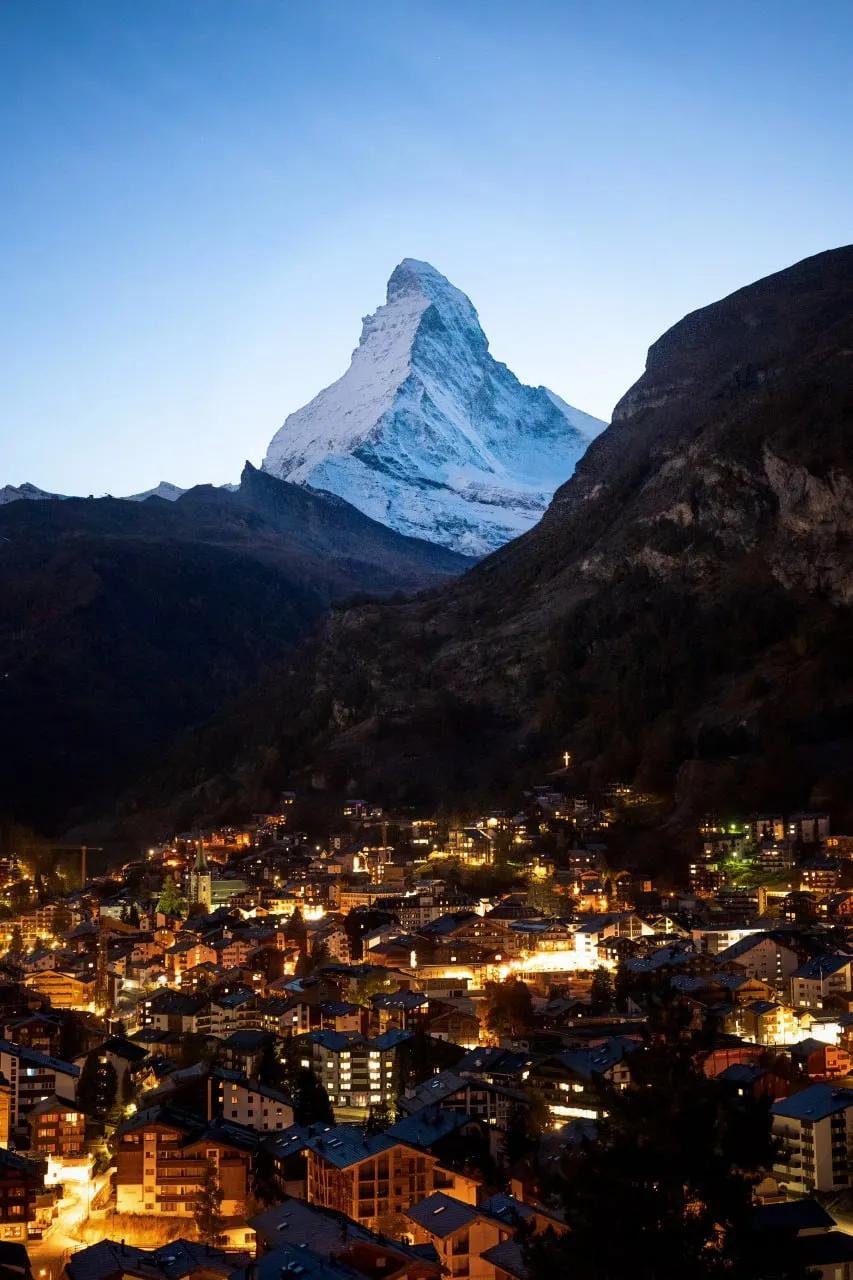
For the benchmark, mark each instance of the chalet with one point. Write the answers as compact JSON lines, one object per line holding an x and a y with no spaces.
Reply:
{"x":452,"y":1021}
{"x":64,"y":990}
{"x":244,"y":1050}
{"x":471,"y":1095}
{"x":374,"y":1178}
{"x":765,"y":1022}
{"x":40,"y":1031}
{"x":162,"y":1157}
{"x":251,"y":1103}
{"x":771,"y":956}
{"x":174,"y":1011}
{"x":819,"y":1060}
{"x":57,"y":1128}
{"x":400,"y":1010}
{"x":567,"y":1081}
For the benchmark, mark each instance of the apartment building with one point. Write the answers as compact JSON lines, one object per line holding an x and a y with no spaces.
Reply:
{"x":32,"y":1077}
{"x":373,"y":1178}
{"x":355,"y":1071}
{"x":64,"y":990}
{"x":816,"y":980}
{"x":162,"y":1157}
{"x":248,"y":1102}
{"x":492,"y":1103}
{"x":815,"y":1130}
{"x":57,"y":1128}
{"x":771,"y":956}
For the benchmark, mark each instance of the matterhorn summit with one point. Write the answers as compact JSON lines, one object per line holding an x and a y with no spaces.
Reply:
{"x":428,"y":433}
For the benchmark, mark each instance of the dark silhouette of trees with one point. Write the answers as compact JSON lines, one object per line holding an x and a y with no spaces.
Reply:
{"x":207,"y":1212}
{"x":601,"y":994}
{"x":378,"y":1118}
{"x":311,"y":1103}
{"x":509,"y":1007}
{"x":97,"y":1086}
{"x":664,"y":1190}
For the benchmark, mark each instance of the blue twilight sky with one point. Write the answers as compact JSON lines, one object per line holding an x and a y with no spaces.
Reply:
{"x":199,"y":199}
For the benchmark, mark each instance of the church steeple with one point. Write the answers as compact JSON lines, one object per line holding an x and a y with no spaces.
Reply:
{"x":201,"y":880}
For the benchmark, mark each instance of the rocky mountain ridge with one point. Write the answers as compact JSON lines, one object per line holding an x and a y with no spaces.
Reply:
{"x":680,"y":616}
{"x":123,"y":624}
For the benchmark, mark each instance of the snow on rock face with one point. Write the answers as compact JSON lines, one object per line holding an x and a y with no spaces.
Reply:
{"x":165,"y":489}
{"x":25,"y":492}
{"x":428,"y":433}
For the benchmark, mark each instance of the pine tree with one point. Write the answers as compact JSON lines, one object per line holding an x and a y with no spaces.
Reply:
{"x":207,"y":1212}
{"x":295,"y":929}
{"x":509,"y":1007}
{"x":271,"y":1070}
{"x":87,"y":1085}
{"x":16,"y":943}
{"x":108,"y":1086}
{"x":97,"y":1086}
{"x":61,"y":920}
{"x":170,"y":902}
{"x":311,"y":1103}
{"x":601,"y":992}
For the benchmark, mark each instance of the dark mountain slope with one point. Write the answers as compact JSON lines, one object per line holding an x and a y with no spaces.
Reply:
{"x":681,"y":615}
{"x":122,"y":624}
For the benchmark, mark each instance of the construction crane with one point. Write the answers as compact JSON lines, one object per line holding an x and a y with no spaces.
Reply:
{"x":83,"y":849}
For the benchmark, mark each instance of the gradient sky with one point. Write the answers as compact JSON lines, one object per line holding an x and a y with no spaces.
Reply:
{"x":199,"y":199}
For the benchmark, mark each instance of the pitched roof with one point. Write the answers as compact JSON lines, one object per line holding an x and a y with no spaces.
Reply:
{"x":329,"y":1231}
{"x":172,"y":1261}
{"x":508,"y":1209}
{"x":300,"y":1263}
{"x":347,"y":1144}
{"x":507,"y":1256}
{"x":429,"y":1125}
{"x":37,"y":1059}
{"x":745,"y":1073}
{"x":822,"y":966}
{"x":830,"y":1248}
{"x":794,"y":1215}
{"x":442,"y":1215}
{"x":814,"y":1103}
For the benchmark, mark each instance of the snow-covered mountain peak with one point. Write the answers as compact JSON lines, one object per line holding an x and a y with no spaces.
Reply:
{"x":415,"y":278}
{"x":426,"y":431}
